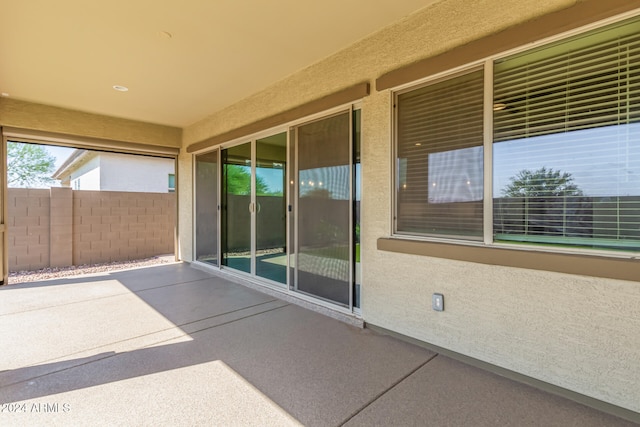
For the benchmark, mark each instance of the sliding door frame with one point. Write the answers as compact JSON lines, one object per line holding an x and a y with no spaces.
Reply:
{"x":253,"y":140}
{"x":194,"y":215}
{"x":296,"y":175}
{"x":291,"y":207}
{"x":250,"y":207}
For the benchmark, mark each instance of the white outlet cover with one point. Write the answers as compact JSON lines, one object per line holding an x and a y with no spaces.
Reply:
{"x":437,"y":302}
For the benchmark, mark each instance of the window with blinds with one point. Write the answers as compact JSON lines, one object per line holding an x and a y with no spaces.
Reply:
{"x":439,"y":182}
{"x":566,"y":147}
{"x":566,"y":153}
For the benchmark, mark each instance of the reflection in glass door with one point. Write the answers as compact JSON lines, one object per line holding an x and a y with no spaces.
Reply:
{"x":237,"y":207}
{"x":324,"y":242}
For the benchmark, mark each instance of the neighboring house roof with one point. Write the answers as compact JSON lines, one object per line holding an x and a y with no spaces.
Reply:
{"x":73,"y":162}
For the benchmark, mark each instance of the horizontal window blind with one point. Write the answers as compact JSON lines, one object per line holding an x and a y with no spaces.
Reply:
{"x":440,"y":166}
{"x":567,"y":142}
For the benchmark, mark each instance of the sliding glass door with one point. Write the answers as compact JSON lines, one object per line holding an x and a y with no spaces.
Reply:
{"x":237,"y":207}
{"x":271,"y":208}
{"x":289,"y":209}
{"x":206,"y":216}
{"x":254,"y":208}
{"x":324,"y":209}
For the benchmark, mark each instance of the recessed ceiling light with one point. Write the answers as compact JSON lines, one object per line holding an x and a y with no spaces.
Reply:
{"x":5,"y":94}
{"x":120,"y":88}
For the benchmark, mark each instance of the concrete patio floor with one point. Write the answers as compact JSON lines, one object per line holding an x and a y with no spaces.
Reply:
{"x":173,"y":345}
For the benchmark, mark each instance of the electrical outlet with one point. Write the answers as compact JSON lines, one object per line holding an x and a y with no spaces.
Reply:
{"x":437,"y":302}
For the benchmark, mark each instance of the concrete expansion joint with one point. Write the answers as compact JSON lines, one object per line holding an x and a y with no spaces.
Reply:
{"x":390,"y":388}
{"x":348,"y":318}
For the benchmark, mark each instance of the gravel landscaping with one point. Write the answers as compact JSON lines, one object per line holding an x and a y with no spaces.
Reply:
{"x":77,"y":270}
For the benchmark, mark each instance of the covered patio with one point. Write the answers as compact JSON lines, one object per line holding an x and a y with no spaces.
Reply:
{"x":173,"y":345}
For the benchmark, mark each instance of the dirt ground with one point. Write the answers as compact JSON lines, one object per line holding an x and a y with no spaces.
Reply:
{"x":76,"y":270}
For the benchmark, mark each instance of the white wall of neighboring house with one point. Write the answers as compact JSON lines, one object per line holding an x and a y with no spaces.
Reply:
{"x":87,"y":176}
{"x":135,"y":173}
{"x":119,"y":172}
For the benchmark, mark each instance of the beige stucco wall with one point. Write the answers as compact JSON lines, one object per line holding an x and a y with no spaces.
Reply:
{"x":572,"y":331}
{"x":38,"y":117}
{"x":184,"y":178}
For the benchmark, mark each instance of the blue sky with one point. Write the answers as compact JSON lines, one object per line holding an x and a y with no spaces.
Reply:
{"x":60,"y":153}
{"x":603,"y":161}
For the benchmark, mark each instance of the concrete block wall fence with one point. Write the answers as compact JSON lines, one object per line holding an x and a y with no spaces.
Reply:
{"x":59,"y":227}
